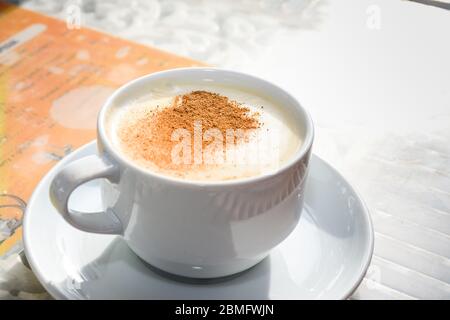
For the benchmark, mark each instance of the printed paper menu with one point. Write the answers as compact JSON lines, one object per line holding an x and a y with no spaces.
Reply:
{"x":53,"y":81}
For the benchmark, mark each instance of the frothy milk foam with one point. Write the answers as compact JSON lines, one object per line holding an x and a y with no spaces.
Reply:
{"x":276,"y":140}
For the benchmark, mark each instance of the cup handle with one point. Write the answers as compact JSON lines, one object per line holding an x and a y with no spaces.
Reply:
{"x":72,"y":176}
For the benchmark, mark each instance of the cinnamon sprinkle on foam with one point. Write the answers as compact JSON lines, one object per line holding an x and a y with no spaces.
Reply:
{"x":149,"y":138}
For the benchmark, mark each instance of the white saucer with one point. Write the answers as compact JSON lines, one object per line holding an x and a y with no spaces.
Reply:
{"x":325,"y":257}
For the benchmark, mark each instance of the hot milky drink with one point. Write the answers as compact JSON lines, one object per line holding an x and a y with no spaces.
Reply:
{"x":204,"y":132}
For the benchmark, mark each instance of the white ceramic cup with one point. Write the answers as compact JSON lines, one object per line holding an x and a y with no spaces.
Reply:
{"x":188,"y":228}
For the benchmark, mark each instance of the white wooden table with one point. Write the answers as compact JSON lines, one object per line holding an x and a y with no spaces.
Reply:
{"x":375,"y":76}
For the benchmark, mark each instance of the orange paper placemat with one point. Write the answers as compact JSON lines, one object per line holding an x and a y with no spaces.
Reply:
{"x":53,"y":81}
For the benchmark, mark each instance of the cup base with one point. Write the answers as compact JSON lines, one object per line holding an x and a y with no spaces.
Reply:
{"x":194,"y":273}
{"x":200,"y":281}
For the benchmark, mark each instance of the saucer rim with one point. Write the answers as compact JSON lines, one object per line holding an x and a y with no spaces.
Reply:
{"x":58,"y":294}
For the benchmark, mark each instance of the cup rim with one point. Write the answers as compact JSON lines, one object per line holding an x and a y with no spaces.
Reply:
{"x":294,"y":159}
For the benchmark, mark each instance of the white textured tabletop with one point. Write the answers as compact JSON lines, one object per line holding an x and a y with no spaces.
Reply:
{"x":375,"y":76}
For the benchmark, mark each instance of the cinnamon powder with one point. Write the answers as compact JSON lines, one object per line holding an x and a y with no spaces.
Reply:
{"x":150,"y":137}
